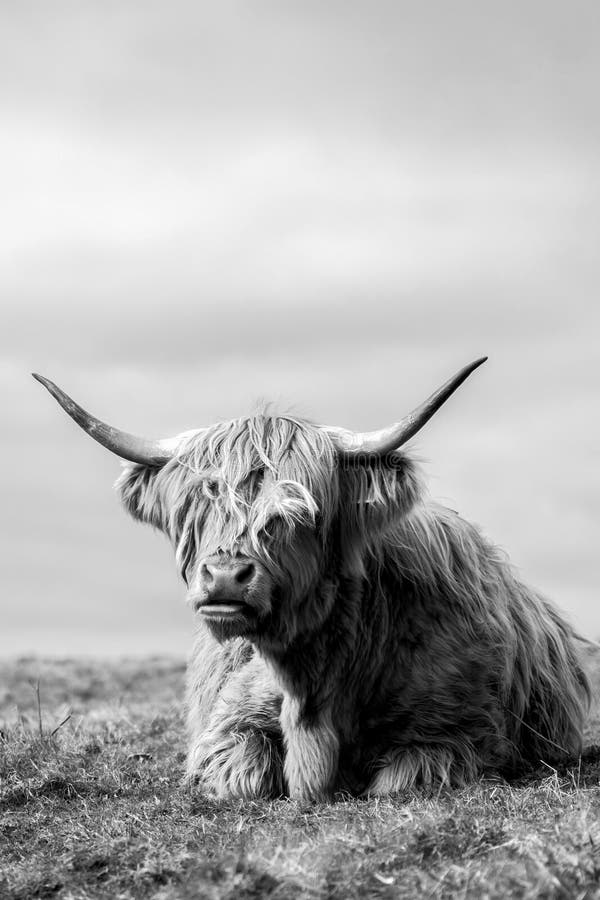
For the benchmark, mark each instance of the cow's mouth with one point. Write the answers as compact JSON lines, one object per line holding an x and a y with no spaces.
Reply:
{"x":230,"y":609}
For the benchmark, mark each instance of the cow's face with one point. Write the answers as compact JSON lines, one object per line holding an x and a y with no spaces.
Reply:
{"x":265,"y":516}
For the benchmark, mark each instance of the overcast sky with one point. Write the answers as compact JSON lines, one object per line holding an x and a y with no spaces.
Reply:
{"x":331,"y":205}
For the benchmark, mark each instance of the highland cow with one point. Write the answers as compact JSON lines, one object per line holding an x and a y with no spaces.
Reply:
{"x":352,"y":635}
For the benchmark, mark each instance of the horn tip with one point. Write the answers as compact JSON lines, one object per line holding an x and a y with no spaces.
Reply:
{"x":41,"y":379}
{"x":53,"y":389}
{"x":49,"y":385}
{"x":474,"y":365}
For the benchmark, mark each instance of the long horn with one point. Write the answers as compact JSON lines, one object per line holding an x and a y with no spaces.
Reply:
{"x":127,"y":446}
{"x":378,"y":443}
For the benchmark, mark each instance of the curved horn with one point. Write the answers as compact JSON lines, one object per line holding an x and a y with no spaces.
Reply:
{"x":378,"y":443}
{"x":127,"y":446}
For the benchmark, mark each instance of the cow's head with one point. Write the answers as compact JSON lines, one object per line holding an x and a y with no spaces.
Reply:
{"x":265,"y":513}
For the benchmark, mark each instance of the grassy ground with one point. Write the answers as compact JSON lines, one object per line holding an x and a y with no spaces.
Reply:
{"x":92,"y":807}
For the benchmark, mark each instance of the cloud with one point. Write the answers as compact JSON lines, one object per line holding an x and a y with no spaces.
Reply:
{"x":430,"y":70}
{"x":279,"y":244}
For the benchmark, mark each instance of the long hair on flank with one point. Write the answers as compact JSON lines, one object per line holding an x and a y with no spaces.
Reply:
{"x":507,"y":629}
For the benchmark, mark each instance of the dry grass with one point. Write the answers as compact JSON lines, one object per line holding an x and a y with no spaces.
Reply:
{"x":92,"y":807}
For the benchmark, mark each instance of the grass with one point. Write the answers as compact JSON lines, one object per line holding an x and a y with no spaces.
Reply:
{"x":92,"y":806}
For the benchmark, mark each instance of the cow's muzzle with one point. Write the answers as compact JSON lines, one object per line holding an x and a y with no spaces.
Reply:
{"x":224,"y":587}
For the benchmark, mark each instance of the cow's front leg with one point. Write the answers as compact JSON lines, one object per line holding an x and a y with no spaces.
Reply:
{"x":244,"y":763}
{"x":311,"y":751}
{"x":237,"y":751}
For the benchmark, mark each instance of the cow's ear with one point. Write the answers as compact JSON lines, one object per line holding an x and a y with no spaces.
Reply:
{"x":375,"y":492}
{"x":137,"y":487}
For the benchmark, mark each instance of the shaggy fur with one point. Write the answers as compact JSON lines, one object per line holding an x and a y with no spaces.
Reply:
{"x":396,"y":647}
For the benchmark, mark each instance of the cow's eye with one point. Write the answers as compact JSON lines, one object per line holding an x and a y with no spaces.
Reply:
{"x":210,"y":488}
{"x":271,"y":527}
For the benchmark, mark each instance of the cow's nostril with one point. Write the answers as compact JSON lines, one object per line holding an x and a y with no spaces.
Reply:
{"x":206,"y":573}
{"x":245,"y":573}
